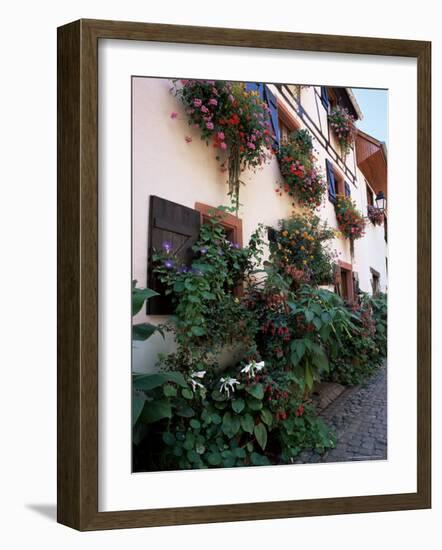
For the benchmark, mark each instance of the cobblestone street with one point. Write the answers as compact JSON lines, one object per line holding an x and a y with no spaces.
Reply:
{"x":359,"y":418}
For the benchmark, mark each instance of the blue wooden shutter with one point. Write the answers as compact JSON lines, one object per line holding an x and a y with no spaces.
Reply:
{"x":273,"y":106}
{"x":331,"y":181}
{"x":347,"y":189}
{"x":324,"y":98}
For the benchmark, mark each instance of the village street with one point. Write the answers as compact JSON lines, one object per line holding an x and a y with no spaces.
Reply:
{"x":359,"y":418}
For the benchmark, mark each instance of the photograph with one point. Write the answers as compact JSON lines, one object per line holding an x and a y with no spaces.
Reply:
{"x":259,"y":274}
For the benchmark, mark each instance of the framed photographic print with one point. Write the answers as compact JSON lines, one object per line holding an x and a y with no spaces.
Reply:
{"x":243,"y":275}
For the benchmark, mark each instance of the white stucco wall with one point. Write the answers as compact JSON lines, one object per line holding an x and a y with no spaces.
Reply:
{"x":164,"y":164}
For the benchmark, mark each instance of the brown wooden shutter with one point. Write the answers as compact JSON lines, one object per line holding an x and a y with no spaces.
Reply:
{"x":355,"y":286}
{"x":337,"y":276}
{"x":178,"y":225}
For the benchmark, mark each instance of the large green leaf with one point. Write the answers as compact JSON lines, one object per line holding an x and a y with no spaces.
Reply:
{"x":259,"y":460}
{"x":308,"y":377}
{"x":143,"y":331}
{"x":256,"y":390}
{"x":260,"y":432}
{"x":266,"y":416}
{"x":230,"y":425}
{"x":319,"y":358}
{"x":308,"y":315}
{"x":151,"y":381}
{"x":156,"y":410}
{"x":238,"y":405}
{"x":247,"y":423}
{"x":298,"y":349}
{"x":137,"y":407}
{"x":139,"y":296}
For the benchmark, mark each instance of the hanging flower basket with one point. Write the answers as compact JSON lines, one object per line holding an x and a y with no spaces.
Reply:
{"x":301,"y":179}
{"x":235,"y":121}
{"x":343,"y":125}
{"x":375,"y":215}
{"x":351,"y":222}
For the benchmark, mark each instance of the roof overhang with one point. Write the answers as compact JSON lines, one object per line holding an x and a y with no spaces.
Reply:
{"x":371,"y":156}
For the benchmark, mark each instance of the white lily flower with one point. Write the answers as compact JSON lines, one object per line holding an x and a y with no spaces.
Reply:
{"x":252,"y":367}
{"x":228,"y":384}
{"x":199,"y":374}
{"x":196,"y":384}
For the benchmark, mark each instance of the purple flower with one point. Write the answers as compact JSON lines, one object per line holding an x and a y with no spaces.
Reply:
{"x":236,"y":245}
{"x":167,"y":246}
{"x":183,"y":269}
{"x":203,"y":250}
{"x":168,"y":264}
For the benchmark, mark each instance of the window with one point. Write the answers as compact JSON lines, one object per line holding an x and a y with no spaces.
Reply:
{"x":328,"y":98}
{"x":232,"y":227}
{"x":231,"y":224}
{"x":375,"y":281}
{"x":268,"y":96}
{"x":287,"y":121}
{"x":179,"y":225}
{"x":336,"y":183}
{"x":344,"y":281}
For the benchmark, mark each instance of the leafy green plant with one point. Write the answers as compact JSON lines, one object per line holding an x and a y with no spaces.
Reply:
{"x":243,"y":418}
{"x":299,"y":249}
{"x":208,"y":313}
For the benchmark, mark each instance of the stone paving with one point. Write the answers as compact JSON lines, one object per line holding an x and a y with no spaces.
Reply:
{"x":359,"y":419}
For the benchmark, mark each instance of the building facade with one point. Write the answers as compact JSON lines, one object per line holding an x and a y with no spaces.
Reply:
{"x":177,"y":179}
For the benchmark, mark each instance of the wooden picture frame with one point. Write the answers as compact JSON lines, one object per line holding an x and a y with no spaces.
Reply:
{"x":78,"y":274}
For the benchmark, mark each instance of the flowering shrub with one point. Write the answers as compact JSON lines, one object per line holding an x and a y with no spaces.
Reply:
{"x":194,"y":413}
{"x":301,"y":178}
{"x":247,"y":417}
{"x":343,"y":125}
{"x":375,"y":215}
{"x":351,"y":223}
{"x":207,"y":313}
{"x":299,"y":249}
{"x":364,"y":346}
{"x":235,"y":121}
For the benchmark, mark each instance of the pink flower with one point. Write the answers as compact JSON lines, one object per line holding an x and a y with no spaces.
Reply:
{"x":213,"y":101}
{"x":204,"y":109}
{"x":251,"y":145}
{"x":223,"y":145}
{"x":173,"y":114}
{"x":220,"y":135}
{"x":209,"y":125}
{"x":188,"y":139}
{"x":197,"y":102}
